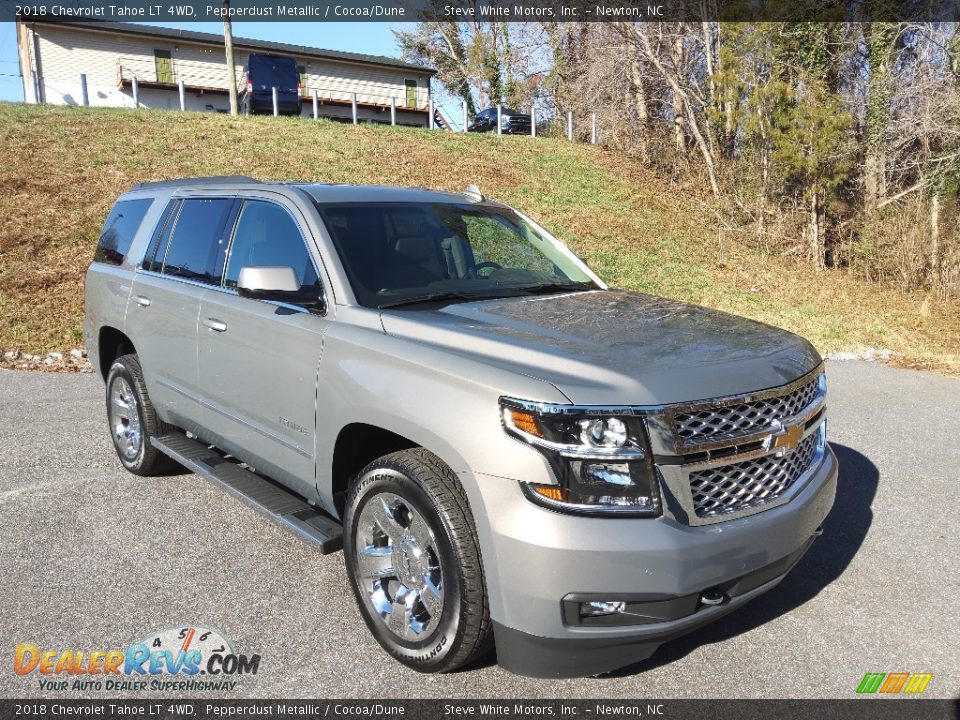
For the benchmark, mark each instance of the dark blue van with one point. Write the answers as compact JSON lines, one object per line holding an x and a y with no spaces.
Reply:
{"x":262,"y":73}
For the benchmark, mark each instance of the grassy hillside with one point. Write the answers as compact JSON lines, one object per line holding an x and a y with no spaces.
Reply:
{"x":61,"y":168}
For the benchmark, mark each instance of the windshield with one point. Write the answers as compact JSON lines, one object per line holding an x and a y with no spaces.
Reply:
{"x":404,"y":253}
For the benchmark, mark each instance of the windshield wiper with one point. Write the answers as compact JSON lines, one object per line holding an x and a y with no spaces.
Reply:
{"x":546,"y":288}
{"x":444,"y":297}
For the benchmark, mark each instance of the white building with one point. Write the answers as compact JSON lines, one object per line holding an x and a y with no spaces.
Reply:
{"x":53,"y":56}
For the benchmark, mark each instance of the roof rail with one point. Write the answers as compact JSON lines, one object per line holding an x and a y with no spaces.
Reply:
{"x":198,"y":182}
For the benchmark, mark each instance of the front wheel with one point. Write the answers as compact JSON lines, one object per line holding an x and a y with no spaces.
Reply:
{"x":413,"y":559}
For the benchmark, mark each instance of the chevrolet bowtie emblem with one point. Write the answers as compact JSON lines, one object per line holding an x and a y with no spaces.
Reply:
{"x":784,"y":439}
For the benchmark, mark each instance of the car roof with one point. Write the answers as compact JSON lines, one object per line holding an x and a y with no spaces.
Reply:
{"x":380,"y":194}
{"x":319,"y":192}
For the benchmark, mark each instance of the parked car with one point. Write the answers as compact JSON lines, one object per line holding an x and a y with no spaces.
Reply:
{"x":262,"y":73}
{"x":511,"y":121}
{"x":506,"y":449}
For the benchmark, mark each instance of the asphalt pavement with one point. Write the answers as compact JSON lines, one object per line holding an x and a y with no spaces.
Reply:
{"x":95,"y":558}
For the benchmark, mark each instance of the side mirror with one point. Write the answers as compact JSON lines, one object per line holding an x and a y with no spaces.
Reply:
{"x":279,"y":284}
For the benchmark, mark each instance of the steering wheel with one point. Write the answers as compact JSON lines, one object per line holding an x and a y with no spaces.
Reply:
{"x":484,"y":265}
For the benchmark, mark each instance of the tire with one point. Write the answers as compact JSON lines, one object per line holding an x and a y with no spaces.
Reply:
{"x":132,"y":419}
{"x":422,"y":535}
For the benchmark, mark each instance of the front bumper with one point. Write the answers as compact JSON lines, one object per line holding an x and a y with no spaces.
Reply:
{"x":539,"y":557}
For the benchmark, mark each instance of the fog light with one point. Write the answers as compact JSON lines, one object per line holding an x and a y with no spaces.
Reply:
{"x":598,"y":608}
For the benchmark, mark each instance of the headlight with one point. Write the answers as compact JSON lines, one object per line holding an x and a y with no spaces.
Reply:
{"x":599,"y":455}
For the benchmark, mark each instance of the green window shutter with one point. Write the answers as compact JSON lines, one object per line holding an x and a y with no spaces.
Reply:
{"x":411,"y":86}
{"x":164,"y":64}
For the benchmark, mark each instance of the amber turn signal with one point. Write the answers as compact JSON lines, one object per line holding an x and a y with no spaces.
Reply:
{"x":550,"y":492}
{"x":525,"y":422}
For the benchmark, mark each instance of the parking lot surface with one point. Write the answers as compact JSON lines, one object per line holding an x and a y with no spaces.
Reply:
{"x":95,"y":558}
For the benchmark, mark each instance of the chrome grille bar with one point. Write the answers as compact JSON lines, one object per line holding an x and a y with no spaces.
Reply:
{"x":750,"y":483}
{"x":722,"y":422}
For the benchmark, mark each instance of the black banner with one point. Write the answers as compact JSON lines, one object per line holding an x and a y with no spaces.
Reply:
{"x":187,"y":11}
{"x":159,"y":709}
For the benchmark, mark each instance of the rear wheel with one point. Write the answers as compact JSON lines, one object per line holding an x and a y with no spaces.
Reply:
{"x":413,"y":558}
{"x":133,"y":420}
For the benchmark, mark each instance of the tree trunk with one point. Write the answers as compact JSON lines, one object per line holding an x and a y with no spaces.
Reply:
{"x":816,"y":231}
{"x":879,"y":37}
{"x":680,"y":137}
{"x":711,"y":103}
{"x":638,"y":91}
{"x":764,"y":191}
{"x":935,"y":277}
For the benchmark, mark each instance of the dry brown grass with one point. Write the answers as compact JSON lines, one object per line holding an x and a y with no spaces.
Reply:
{"x":62,"y":168}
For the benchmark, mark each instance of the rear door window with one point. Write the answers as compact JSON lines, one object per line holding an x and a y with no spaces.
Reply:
{"x":119,"y":230}
{"x":267,"y":235}
{"x":198,"y":244}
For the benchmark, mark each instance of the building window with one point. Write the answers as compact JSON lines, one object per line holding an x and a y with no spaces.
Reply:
{"x":164,"y":63}
{"x":411,"y":86}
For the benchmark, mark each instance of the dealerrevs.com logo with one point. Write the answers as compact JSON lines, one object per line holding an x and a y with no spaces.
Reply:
{"x":188,"y":658}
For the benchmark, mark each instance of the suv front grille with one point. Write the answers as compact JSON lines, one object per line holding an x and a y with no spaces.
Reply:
{"x":735,"y":487}
{"x":719,"y":423}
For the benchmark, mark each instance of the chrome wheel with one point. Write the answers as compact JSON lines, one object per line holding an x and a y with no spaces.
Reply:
{"x":125,"y":419}
{"x":398,"y":566}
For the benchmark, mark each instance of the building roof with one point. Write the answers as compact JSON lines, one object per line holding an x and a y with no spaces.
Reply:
{"x":246,"y":44}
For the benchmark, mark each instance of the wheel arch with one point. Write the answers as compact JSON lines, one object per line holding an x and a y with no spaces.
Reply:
{"x":111,"y":344}
{"x":360,"y":443}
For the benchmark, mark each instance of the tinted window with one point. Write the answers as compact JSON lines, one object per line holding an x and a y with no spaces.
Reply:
{"x":198,"y":247}
{"x":153,"y":258}
{"x":267,"y":235}
{"x":118,"y":231}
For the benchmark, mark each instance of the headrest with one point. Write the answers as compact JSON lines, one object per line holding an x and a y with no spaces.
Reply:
{"x":416,"y":248}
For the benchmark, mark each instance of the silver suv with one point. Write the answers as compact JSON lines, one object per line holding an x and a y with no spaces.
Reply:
{"x":506,"y":449}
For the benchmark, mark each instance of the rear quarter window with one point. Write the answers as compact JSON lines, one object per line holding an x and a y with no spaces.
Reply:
{"x":119,"y":230}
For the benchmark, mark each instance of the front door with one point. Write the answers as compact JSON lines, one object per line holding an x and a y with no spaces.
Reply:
{"x":259,"y":360}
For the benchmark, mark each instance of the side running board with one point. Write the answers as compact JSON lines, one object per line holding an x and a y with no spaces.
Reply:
{"x":278,"y":504}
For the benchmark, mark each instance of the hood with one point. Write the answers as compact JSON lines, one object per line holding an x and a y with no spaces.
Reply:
{"x":610,"y":347}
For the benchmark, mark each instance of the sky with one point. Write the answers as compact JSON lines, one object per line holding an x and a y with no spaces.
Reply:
{"x":364,"y":37}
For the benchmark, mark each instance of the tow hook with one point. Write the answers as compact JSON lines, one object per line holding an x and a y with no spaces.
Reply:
{"x":713,"y":596}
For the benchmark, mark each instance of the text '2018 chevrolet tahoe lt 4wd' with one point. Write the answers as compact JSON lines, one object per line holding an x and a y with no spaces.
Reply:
{"x":506,"y":449}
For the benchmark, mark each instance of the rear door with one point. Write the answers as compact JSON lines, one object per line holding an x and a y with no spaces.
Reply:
{"x":186,"y":256}
{"x":258,"y":360}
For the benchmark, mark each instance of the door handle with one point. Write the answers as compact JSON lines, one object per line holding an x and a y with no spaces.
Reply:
{"x":141,"y":300}
{"x":215,"y":325}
